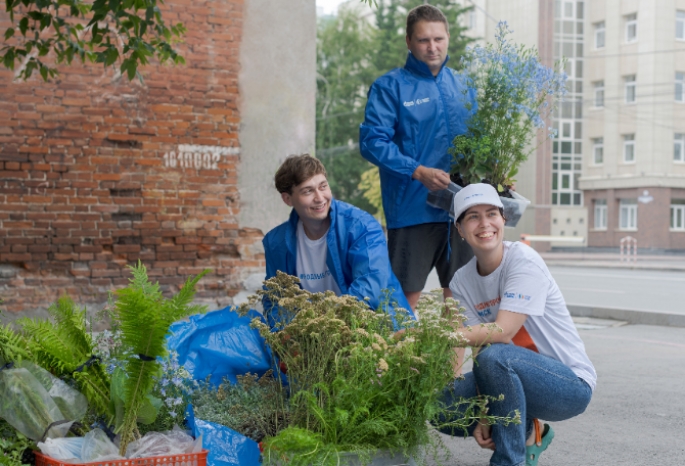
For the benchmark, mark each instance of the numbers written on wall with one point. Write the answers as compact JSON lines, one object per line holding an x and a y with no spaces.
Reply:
{"x":196,"y":156}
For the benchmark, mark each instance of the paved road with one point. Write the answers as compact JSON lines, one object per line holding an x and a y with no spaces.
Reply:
{"x":637,"y":414}
{"x":647,"y":290}
{"x":623,"y":289}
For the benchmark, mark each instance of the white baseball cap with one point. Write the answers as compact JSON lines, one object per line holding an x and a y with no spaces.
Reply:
{"x":475,"y":194}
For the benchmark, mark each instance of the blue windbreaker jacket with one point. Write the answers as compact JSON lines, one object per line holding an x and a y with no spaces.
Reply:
{"x":357,"y":255}
{"x":411,"y":119}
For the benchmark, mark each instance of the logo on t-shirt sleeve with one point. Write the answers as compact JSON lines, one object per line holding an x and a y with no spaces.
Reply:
{"x":524,"y":297}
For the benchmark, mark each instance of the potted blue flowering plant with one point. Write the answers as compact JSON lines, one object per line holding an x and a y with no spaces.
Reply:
{"x":514,"y":95}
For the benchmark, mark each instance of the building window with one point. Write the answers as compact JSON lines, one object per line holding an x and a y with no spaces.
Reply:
{"x":679,"y":147}
{"x":598,"y":151}
{"x":600,"y":214}
{"x":630,"y":84}
{"x":629,"y":148}
{"x":599,"y":93}
{"x":627,"y":214}
{"x":472,"y":19}
{"x":679,"y":87}
{"x":599,"y":35}
{"x":678,"y":214}
{"x":680,"y":25}
{"x":631,"y":27}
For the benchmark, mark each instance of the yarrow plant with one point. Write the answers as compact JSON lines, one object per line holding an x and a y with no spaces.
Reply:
{"x":514,"y":95}
{"x":358,"y":380}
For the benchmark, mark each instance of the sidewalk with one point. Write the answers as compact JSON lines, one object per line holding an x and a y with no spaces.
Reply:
{"x":612,"y":260}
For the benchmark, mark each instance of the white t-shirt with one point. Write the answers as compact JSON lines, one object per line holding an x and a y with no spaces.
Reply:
{"x":311,"y":266}
{"x":522,"y":283}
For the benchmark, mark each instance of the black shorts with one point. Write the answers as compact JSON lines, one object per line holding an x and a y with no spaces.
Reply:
{"x":415,"y":250}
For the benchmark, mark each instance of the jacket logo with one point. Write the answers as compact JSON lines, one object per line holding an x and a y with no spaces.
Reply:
{"x":411,"y":103}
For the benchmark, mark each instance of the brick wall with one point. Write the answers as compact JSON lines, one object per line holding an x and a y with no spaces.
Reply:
{"x":97,"y":172}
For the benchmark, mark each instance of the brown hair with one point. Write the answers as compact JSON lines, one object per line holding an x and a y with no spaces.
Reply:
{"x":463,"y":214}
{"x":424,"y":13}
{"x":295,"y":170}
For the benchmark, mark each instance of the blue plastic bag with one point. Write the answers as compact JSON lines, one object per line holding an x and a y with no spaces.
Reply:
{"x":226,"y":446}
{"x":220,"y":344}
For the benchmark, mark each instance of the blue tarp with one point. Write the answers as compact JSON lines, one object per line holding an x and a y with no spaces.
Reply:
{"x":218,"y":345}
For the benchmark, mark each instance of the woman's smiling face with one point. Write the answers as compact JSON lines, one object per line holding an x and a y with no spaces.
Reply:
{"x":482,"y":227}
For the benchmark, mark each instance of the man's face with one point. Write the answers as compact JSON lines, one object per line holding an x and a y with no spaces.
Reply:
{"x":429,"y":44}
{"x":311,"y":199}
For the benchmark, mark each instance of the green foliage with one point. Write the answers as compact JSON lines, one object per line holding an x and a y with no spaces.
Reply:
{"x":65,"y":347}
{"x":13,"y":446}
{"x":13,"y":346}
{"x":144,"y":317}
{"x":173,"y":388}
{"x":254,"y":406}
{"x":370,"y":185}
{"x":354,"y":384}
{"x":513,"y":93}
{"x":103,"y":31}
{"x":351,"y":54}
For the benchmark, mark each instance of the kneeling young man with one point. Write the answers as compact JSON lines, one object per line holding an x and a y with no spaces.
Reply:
{"x":329,"y":244}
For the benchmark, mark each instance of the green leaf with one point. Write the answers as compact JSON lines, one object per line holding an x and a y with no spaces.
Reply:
{"x":9,"y":33}
{"x":8,"y":59}
{"x":24,"y":25}
{"x":149,"y":410}
{"x":111,"y":56}
{"x":44,"y":72}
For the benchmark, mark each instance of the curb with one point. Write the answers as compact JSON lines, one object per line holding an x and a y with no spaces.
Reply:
{"x":661,"y":267}
{"x":635,"y":317}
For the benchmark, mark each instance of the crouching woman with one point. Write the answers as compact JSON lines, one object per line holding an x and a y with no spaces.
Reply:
{"x":538,"y":361}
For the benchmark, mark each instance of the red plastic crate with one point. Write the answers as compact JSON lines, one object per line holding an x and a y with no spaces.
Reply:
{"x":186,"y":459}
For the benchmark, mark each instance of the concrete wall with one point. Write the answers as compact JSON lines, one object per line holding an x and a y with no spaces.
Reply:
{"x":277,"y":101}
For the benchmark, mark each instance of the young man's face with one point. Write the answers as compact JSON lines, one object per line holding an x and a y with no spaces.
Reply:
{"x":428,"y":44}
{"x":311,"y":199}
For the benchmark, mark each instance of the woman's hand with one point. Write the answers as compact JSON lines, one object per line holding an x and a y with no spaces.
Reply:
{"x":483,"y":435}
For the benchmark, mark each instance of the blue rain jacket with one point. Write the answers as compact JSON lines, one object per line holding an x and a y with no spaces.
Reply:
{"x":357,"y":255}
{"x":411,"y":119}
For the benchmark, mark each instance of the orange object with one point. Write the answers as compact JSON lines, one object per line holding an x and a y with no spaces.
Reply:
{"x":186,"y":459}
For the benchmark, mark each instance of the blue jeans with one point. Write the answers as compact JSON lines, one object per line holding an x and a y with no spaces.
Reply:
{"x":538,"y":386}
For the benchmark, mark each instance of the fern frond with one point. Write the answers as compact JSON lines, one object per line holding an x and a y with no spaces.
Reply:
{"x":50,"y":346}
{"x":144,"y":317}
{"x":72,"y":324}
{"x":63,"y":346}
{"x":13,"y":346}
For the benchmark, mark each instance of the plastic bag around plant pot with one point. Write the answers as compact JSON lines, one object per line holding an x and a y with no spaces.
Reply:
{"x":72,"y":403}
{"x":63,"y":449}
{"x":98,"y":447}
{"x":28,"y":407}
{"x":514,"y":208}
{"x":219,"y":344}
{"x":444,"y":198}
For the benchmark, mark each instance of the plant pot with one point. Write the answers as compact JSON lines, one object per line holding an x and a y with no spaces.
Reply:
{"x":513,"y":207}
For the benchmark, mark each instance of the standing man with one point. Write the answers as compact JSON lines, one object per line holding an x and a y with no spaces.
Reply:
{"x":412,"y":116}
{"x":328,"y":244}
